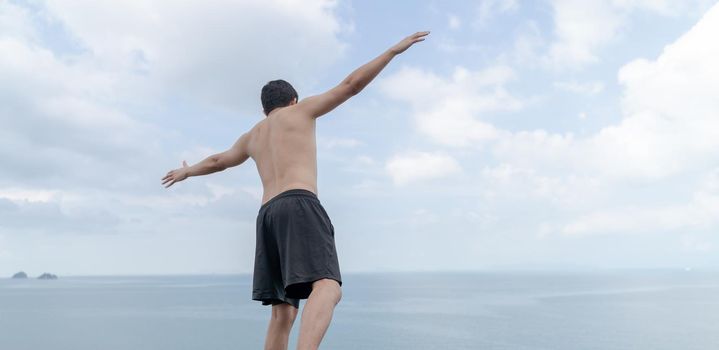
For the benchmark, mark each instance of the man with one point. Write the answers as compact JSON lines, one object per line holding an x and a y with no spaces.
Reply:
{"x":295,"y":255}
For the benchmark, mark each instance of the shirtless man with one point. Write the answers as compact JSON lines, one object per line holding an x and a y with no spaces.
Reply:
{"x":295,"y":256}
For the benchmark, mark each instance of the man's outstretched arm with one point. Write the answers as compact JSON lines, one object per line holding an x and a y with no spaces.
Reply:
{"x":319,"y":105}
{"x":234,"y":156}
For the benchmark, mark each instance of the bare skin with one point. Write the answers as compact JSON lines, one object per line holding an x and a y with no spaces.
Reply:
{"x":284,"y":150}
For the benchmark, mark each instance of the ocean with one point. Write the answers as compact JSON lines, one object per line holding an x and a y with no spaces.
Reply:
{"x":603,"y":310}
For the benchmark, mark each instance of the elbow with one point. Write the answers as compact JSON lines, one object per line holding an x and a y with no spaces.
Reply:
{"x":352,"y":87}
{"x":217,"y":164}
{"x":355,"y":89}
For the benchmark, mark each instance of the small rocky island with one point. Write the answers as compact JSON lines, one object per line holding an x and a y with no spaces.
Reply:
{"x":47,"y":276}
{"x":20,"y":275}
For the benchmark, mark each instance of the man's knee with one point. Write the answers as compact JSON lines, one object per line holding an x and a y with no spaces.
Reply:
{"x":329,"y":286}
{"x":284,"y":314}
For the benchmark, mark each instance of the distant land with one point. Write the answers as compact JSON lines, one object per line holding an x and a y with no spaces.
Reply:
{"x":44,"y":276}
{"x":47,"y":276}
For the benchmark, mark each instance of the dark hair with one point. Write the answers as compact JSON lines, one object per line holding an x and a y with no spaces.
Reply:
{"x":277,"y":93}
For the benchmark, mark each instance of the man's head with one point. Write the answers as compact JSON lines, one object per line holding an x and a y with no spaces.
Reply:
{"x":277,"y":93}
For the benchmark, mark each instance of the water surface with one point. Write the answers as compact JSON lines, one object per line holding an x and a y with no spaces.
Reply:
{"x":656,"y":309}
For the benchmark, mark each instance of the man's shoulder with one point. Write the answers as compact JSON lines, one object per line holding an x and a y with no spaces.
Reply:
{"x":258,"y":126}
{"x":254,"y":130}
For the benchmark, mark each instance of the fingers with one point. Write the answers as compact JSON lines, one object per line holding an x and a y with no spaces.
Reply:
{"x":417,"y":37}
{"x":169,"y":177}
{"x":169,"y":181}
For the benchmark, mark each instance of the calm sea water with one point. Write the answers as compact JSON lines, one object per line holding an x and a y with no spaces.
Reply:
{"x":501,"y":310}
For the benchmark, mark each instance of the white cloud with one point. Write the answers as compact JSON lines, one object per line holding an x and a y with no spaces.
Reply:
{"x":451,"y":45}
{"x":582,"y":28}
{"x":364,"y":160}
{"x":83,"y":107}
{"x":454,"y":22}
{"x":57,"y":116}
{"x":363,"y":163}
{"x":488,"y":9}
{"x":631,"y":219}
{"x":30,"y":195}
{"x":208,"y":51}
{"x":699,"y":213}
{"x":695,"y":244}
{"x":583,"y":88}
{"x":512,"y":181}
{"x":670,"y":121}
{"x":668,"y":133}
{"x":418,"y":166}
{"x":338,"y":142}
{"x":666,"y":7}
{"x":13,"y":23}
{"x":448,"y":110}
{"x":528,"y":45}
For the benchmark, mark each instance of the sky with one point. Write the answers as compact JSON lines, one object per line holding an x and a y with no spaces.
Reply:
{"x":550,"y":134}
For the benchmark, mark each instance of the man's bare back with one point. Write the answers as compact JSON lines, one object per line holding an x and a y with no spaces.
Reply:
{"x":284,"y":150}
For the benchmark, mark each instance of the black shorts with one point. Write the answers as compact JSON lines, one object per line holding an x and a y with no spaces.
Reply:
{"x":295,"y":246}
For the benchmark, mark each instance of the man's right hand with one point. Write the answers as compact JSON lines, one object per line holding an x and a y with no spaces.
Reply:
{"x":407,"y":42}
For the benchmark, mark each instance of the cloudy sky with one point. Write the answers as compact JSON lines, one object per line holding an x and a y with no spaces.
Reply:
{"x":537,"y":134}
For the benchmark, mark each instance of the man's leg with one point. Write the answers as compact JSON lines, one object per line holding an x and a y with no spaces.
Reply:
{"x":317,"y":314}
{"x":278,"y":333}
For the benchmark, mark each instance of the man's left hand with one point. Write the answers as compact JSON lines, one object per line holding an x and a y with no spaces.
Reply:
{"x":176,"y":175}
